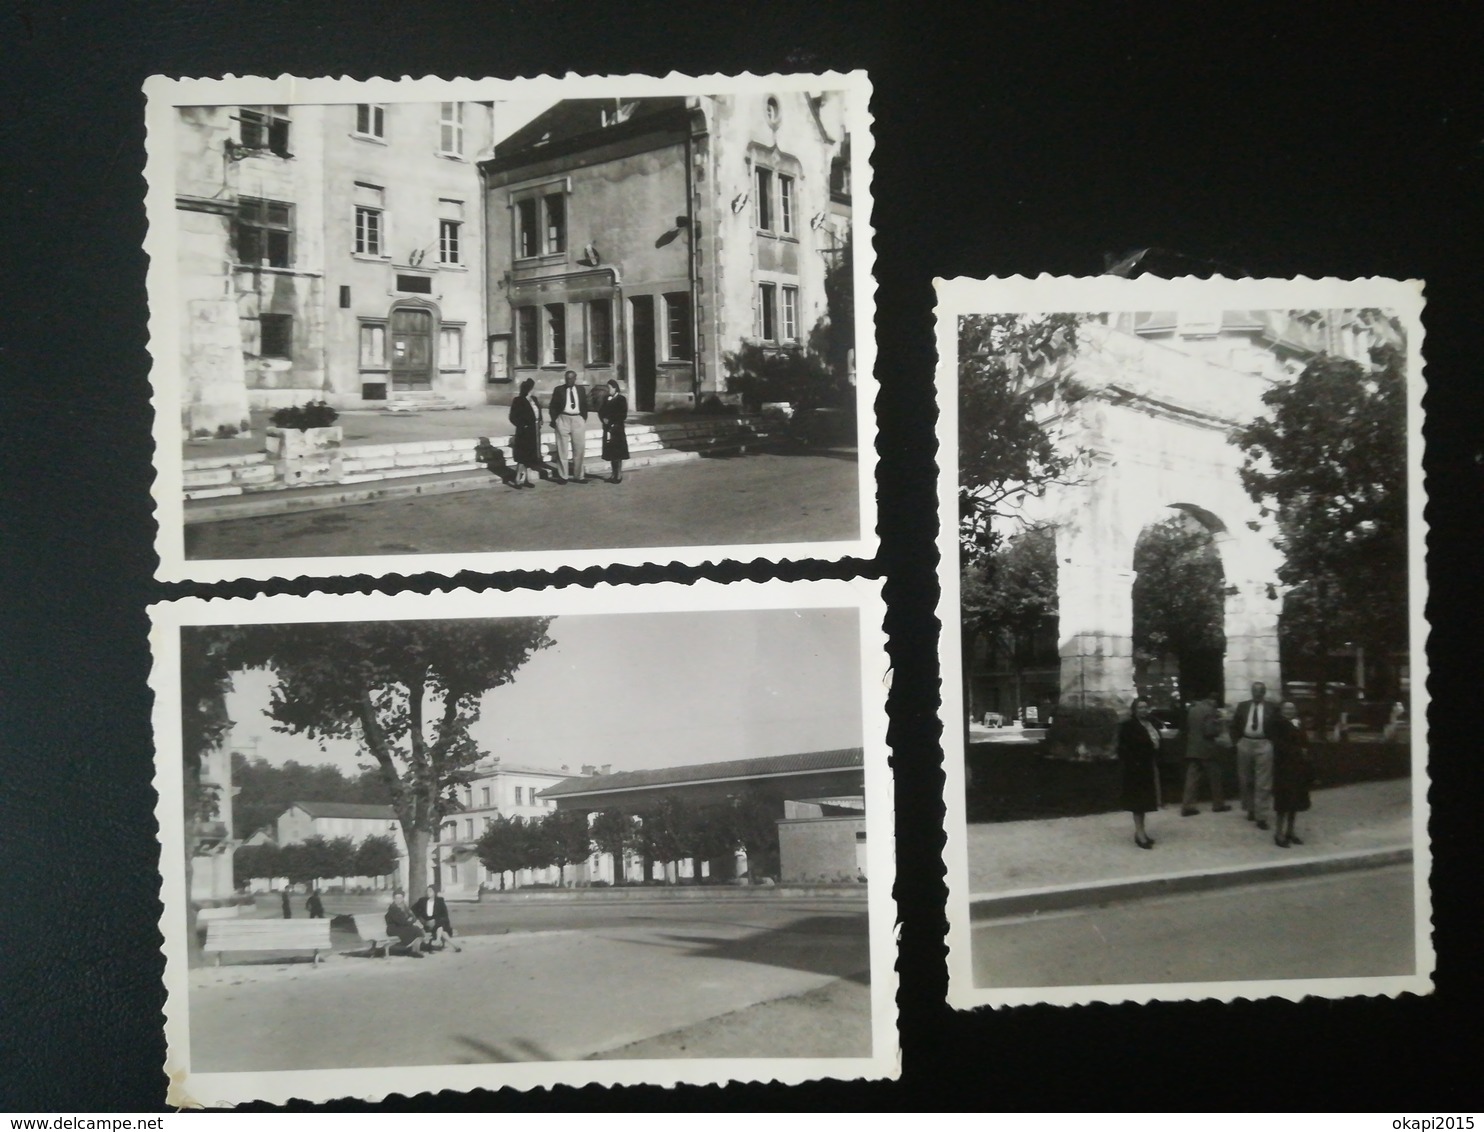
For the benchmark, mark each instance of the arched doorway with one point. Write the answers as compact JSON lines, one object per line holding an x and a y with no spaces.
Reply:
{"x":413,"y":360}
{"x":1179,"y":611}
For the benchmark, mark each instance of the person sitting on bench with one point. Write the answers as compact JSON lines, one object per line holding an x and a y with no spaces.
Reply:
{"x":400,"y":922}
{"x":433,"y":913}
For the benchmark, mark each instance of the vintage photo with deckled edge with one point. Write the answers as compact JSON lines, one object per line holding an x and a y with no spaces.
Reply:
{"x":773,"y":965}
{"x":1138,"y":523}
{"x":347,"y":298}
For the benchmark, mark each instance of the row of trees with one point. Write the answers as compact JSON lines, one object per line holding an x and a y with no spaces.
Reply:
{"x":264,"y":791}
{"x":672,"y":831}
{"x":316,"y":859}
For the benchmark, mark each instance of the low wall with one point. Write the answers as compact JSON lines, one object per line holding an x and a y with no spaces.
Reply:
{"x":820,"y":849}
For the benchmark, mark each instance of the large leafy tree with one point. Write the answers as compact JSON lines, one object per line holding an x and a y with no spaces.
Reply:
{"x":568,"y":837}
{"x":504,"y":846}
{"x":264,"y":791}
{"x":668,"y":830}
{"x":1178,"y":597}
{"x":613,"y":832}
{"x":1330,"y":460}
{"x":407,"y":691}
{"x":376,"y":856}
{"x":1008,"y":593}
{"x":1012,"y":372}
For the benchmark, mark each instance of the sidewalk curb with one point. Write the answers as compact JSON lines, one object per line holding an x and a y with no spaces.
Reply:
{"x":293,"y":501}
{"x":1030,"y":901}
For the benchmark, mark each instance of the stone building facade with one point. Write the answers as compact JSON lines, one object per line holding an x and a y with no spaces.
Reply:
{"x":1158,"y":396}
{"x":328,"y":252}
{"x":648,"y":239}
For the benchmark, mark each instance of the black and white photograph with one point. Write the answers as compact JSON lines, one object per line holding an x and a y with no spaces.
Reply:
{"x":434,"y":325}
{"x":620,"y":835}
{"x":1183,"y":640}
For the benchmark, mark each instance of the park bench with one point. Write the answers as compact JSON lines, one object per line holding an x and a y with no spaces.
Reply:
{"x":371,"y":927}
{"x":267,"y":935}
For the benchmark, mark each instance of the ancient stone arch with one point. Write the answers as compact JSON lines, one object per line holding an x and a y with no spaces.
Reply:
{"x":1155,"y":422}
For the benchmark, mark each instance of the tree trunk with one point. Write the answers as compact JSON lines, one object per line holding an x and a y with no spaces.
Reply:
{"x":418,"y":841}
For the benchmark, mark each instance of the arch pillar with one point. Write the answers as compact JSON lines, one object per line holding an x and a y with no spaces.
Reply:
{"x":1252,"y":639}
{"x":1096,"y":630}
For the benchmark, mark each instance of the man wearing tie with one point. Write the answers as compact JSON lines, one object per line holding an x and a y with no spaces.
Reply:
{"x":1252,"y":729}
{"x":569,"y":422}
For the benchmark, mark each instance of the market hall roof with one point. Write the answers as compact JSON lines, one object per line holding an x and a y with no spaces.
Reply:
{"x":807,"y":764}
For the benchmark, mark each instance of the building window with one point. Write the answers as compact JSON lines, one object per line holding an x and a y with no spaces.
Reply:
{"x":450,"y":347}
{"x":785,"y":204}
{"x":370,"y":120}
{"x":763,"y":199}
{"x":526,"y":234}
{"x":265,"y":127}
{"x":370,"y":218}
{"x":448,"y":242}
{"x":526,"y":351}
{"x":484,"y":799}
{"x":451,"y":128}
{"x":453,"y":873}
{"x":264,"y":232}
{"x":767,"y":312}
{"x":488,"y":821}
{"x":773,"y":111}
{"x":599,"y":332}
{"x":469,"y":828}
{"x":275,"y":335}
{"x":840,"y":177}
{"x":373,"y":345}
{"x":518,"y":792}
{"x":556,"y":224}
{"x":556,"y":334}
{"x":790,"y":314}
{"x":677,"y":327}
{"x":450,"y":831}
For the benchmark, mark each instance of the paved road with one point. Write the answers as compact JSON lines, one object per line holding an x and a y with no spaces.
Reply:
{"x":1341,"y":925}
{"x":653,"y":978}
{"x":761,"y":498}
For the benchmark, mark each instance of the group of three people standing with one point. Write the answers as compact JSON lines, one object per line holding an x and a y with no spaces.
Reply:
{"x":1273,"y":771}
{"x":567,"y":410}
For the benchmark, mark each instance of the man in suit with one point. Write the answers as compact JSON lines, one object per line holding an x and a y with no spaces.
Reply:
{"x":1252,"y":729}
{"x":432,"y":913}
{"x":568,"y":413}
{"x":1202,"y":725}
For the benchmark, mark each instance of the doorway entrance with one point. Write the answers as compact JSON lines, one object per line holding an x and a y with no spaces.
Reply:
{"x":412,"y":348}
{"x":641,"y":308}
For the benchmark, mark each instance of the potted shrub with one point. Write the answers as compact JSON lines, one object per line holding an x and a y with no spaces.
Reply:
{"x":304,"y":441}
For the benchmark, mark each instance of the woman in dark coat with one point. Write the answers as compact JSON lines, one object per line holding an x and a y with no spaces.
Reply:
{"x":525,"y":448}
{"x":613,"y":412}
{"x":1138,"y":754}
{"x":1292,"y":775}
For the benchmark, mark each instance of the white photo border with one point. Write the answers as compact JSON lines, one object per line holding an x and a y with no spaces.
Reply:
{"x":1045,"y":294}
{"x":164,"y":94}
{"x":215,"y":1089}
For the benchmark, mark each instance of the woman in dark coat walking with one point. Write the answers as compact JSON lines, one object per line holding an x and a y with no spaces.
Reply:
{"x":1292,"y":775}
{"x":1138,"y":755}
{"x":525,"y":448}
{"x":613,"y":412}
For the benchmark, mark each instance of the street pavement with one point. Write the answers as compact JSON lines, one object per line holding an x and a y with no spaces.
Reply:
{"x":769,"y":497}
{"x":1338,"y":925}
{"x":1013,"y":863}
{"x":642,"y":981}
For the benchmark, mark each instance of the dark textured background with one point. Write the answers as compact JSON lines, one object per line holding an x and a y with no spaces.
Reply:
{"x":1010,"y":138}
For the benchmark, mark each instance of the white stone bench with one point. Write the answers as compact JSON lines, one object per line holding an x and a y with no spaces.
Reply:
{"x":226,"y":912}
{"x":371,"y":927}
{"x":267,"y":935}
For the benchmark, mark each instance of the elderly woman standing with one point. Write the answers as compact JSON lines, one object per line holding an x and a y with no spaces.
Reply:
{"x":613,"y":412}
{"x":1292,"y":775}
{"x":525,"y":447}
{"x":1138,"y":754}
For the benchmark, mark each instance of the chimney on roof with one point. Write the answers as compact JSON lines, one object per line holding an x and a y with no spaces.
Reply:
{"x":605,"y":768}
{"x":588,"y":768}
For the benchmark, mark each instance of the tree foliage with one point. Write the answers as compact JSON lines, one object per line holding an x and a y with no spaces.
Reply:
{"x":1178,"y":593}
{"x":569,"y":839}
{"x":613,"y":832}
{"x":265,"y":791}
{"x":1330,"y":460}
{"x":408,"y":691}
{"x":376,"y":856}
{"x":1012,"y":370}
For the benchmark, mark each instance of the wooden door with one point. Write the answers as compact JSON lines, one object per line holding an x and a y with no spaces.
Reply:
{"x":412,"y":349}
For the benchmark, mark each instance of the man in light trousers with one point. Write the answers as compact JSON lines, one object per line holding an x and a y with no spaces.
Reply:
{"x":1252,"y":729}
{"x":568,"y":414}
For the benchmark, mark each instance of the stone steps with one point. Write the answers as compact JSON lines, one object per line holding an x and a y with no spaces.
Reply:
{"x":213,"y":477}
